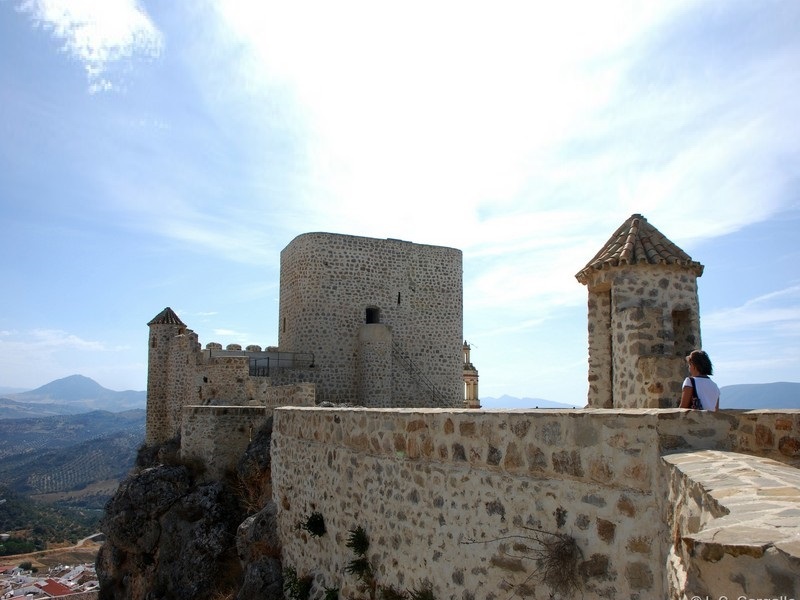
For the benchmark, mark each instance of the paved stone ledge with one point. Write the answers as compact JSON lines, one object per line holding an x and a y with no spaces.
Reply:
{"x":736,"y":523}
{"x":761,"y":499}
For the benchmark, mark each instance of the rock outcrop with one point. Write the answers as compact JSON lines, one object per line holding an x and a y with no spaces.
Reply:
{"x":171,"y":534}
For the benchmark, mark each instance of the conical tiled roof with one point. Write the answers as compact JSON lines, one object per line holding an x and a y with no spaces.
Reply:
{"x":166,"y":317}
{"x":638,"y":242}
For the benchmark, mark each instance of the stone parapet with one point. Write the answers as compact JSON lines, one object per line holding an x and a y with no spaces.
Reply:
{"x":736,"y":526}
{"x":455,"y":497}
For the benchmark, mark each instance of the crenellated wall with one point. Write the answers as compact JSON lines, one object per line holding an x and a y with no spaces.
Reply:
{"x":453,"y":497}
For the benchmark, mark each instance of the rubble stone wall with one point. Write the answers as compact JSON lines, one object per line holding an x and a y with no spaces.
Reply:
{"x":332,"y":285}
{"x":735,"y":526}
{"x":635,"y":312}
{"x":170,"y":380}
{"x":219,"y":435}
{"x":458,"y":498}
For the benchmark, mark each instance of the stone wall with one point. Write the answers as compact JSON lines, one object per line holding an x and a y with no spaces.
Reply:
{"x":642,"y":320}
{"x":225,"y":379}
{"x":332,"y":285}
{"x":170,"y":379}
{"x":735,"y":526}
{"x":217,"y":436}
{"x":456,"y":498}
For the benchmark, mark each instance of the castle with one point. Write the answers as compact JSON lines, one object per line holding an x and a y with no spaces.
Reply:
{"x":368,"y":385}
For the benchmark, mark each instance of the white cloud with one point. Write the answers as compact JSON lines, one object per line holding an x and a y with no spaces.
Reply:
{"x":57,"y":339}
{"x":466,"y":123}
{"x":229,"y":333}
{"x":778,"y":313}
{"x":98,"y":32}
{"x":440,"y":109}
{"x":23,"y":354}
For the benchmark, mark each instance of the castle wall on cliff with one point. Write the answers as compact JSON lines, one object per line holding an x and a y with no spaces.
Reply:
{"x":659,"y":503}
{"x":364,"y":321}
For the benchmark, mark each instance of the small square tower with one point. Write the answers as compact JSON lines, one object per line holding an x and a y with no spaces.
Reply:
{"x":643,"y":318}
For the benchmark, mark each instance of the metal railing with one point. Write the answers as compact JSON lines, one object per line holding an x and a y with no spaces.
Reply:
{"x":417,"y":375}
{"x":261,"y":366}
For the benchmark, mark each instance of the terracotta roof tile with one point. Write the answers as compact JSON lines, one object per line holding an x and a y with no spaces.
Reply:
{"x":637,"y":242}
{"x":53,"y":588}
{"x":167,"y":317}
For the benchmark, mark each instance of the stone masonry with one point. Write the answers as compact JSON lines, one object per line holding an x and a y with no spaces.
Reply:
{"x":453,"y":497}
{"x":673,"y":504}
{"x":335,"y":286}
{"x":643,"y":318}
{"x":362,"y":321}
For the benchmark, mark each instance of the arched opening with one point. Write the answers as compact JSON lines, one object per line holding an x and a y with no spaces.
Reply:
{"x":373,"y":314}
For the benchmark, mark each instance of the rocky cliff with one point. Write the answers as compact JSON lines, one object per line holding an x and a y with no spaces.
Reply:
{"x":173,"y":534}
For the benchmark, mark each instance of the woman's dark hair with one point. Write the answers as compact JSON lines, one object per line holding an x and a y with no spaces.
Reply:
{"x":701,"y":362}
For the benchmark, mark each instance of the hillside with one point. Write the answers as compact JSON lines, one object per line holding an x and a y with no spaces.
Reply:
{"x":33,"y":524}
{"x":12,"y":409}
{"x":761,"y":395}
{"x":69,"y":453}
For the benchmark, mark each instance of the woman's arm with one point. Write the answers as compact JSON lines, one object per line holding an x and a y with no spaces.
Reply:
{"x":686,"y":397}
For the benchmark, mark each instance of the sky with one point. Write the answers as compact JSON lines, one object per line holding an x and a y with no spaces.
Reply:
{"x":158,"y":154}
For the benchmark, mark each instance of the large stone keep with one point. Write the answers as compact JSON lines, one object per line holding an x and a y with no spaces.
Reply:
{"x":383,"y":319}
{"x":643,"y":318}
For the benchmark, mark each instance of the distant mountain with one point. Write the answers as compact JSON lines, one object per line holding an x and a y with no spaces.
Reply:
{"x":71,"y":395}
{"x":781,"y":394}
{"x":507,"y":401}
{"x":752,"y":396}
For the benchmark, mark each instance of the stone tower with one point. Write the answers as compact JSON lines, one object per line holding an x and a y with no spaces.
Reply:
{"x":643,"y":318}
{"x":471,"y":399}
{"x":383,"y":319}
{"x":169,"y":375}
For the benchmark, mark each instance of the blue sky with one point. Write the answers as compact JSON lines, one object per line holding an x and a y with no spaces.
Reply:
{"x":160,"y":154}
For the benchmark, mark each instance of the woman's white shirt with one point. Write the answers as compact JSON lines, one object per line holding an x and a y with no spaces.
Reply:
{"x":707,"y":391}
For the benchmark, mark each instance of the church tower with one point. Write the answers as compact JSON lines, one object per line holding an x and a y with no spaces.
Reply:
{"x":643,"y":318}
{"x":470,"y":381}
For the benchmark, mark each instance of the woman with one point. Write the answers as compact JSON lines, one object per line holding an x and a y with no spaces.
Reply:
{"x":700,"y":369}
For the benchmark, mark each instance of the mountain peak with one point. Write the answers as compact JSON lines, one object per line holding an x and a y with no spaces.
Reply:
{"x":71,"y":388}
